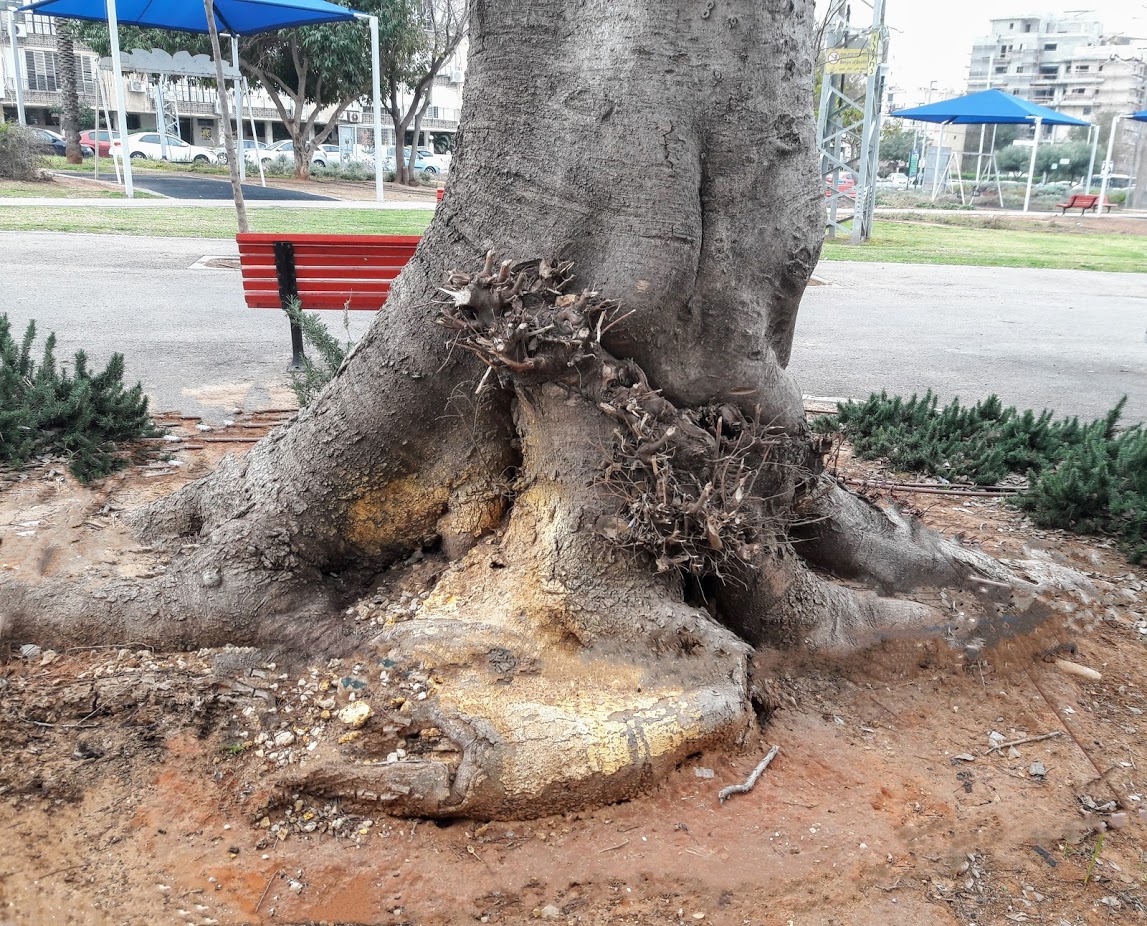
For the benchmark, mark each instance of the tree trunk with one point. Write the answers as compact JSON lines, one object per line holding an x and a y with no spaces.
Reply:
{"x":589,"y":469}
{"x":302,"y":156}
{"x":66,"y":56}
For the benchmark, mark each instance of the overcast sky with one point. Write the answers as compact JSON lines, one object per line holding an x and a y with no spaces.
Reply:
{"x":932,"y":40}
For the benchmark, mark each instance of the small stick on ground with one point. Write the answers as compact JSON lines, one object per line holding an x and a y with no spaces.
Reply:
{"x":270,"y":881}
{"x":624,"y":842}
{"x":1026,"y":739}
{"x":751,"y":781}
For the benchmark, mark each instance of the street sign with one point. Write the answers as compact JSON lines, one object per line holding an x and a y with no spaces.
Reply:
{"x":850,"y":60}
{"x":913,"y":165}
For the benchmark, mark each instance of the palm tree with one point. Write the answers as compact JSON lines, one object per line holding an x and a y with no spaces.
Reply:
{"x":66,"y":56}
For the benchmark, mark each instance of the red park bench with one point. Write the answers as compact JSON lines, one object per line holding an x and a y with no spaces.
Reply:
{"x":321,"y":271}
{"x":1080,"y":201}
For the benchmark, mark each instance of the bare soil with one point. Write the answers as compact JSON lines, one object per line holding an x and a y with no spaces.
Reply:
{"x":140,"y":787}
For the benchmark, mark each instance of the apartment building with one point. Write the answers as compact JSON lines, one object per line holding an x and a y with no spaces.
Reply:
{"x":195,"y":104}
{"x":1067,"y":62}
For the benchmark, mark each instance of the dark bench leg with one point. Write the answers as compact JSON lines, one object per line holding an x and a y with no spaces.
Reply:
{"x":289,"y":291}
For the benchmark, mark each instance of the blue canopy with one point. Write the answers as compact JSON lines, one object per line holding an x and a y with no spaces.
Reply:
{"x":988,"y":107}
{"x":1141,"y":116}
{"x":238,"y":17}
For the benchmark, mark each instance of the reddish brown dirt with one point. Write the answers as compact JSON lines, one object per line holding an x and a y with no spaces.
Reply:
{"x":145,"y":807}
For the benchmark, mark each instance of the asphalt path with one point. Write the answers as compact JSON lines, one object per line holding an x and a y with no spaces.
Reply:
{"x":1074,"y":341}
{"x":191,"y":186}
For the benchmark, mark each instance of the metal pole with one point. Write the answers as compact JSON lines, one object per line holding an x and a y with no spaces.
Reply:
{"x":870,"y":132}
{"x":239,"y":112}
{"x":17,"y":69}
{"x":120,"y":105}
{"x":1107,"y":165}
{"x":96,"y":137}
{"x":1093,"y":133}
{"x":225,"y":117}
{"x":254,"y":130}
{"x":939,"y":155}
{"x":161,"y":118}
{"x":1031,"y":164}
{"x":376,"y":92}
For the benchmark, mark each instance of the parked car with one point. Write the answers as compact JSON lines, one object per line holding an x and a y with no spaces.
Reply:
{"x":149,"y":145}
{"x":324,"y":154}
{"x":49,"y":142}
{"x":88,"y":137}
{"x":846,"y":185}
{"x":895,"y":181}
{"x":250,"y":147}
{"x":423,"y":162}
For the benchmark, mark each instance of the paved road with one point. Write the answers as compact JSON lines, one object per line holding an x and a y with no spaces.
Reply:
{"x":190,"y":186}
{"x":1070,"y":340}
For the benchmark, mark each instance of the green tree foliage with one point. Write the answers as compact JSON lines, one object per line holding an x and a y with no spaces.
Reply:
{"x":1015,"y":159}
{"x":83,"y":417}
{"x":895,"y":143}
{"x":422,"y":36}
{"x":1088,"y":478}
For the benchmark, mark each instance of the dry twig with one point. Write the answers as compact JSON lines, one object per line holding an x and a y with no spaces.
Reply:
{"x":751,"y":781}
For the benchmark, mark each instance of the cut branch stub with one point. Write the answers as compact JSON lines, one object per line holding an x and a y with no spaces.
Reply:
{"x":697,"y":488}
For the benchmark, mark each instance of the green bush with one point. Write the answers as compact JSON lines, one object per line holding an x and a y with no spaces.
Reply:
{"x":83,"y":416}
{"x":18,"y":157}
{"x":1088,"y":478}
{"x":309,"y":381}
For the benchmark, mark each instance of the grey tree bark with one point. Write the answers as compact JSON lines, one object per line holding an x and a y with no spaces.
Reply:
{"x":666,"y":150}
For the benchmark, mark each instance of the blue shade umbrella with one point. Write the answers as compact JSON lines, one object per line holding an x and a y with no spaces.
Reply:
{"x":237,"y":17}
{"x":1140,"y":117}
{"x":990,"y":107}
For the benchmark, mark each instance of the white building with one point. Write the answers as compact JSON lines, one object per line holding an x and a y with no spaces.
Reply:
{"x":1066,"y":62}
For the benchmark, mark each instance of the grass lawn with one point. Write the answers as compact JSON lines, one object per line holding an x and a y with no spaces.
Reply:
{"x":15,"y":189}
{"x":920,"y":243}
{"x":213,"y":223}
{"x":893,"y":242}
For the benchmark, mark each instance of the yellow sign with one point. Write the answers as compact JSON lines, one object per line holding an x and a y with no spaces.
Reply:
{"x":850,"y":60}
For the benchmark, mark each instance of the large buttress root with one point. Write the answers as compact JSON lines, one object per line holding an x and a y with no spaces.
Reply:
{"x":562,"y":668}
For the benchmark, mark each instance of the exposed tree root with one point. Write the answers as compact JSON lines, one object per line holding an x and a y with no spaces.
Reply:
{"x":563,"y":665}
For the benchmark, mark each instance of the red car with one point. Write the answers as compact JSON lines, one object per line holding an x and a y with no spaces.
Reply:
{"x":88,"y":138}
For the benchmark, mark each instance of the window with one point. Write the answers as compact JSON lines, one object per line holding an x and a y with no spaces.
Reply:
{"x":39,"y":25}
{"x":1002,"y":69}
{"x":1020,"y":69}
{"x":1050,"y":46}
{"x":1003,"y":49}
{"x":86,"y":74}
{"x":1087,"y":110}
{"x":41,"y":68}
{"x":1011,"y":25}
{"x":150,"y":139}
{"x":1079,"y":90}
{"x":1027,"y":27}
{"x":1082,"y":68}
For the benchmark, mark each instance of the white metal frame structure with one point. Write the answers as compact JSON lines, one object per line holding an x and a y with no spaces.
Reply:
{"x":850,"y":191}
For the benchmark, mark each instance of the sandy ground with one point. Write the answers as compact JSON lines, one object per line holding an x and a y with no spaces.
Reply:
{"x":135,"y":786}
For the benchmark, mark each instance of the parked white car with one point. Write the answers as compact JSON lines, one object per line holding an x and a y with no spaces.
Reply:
{"x":895,"y":181}
{"x":324,"y":155}
{"x":150,"y":145}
